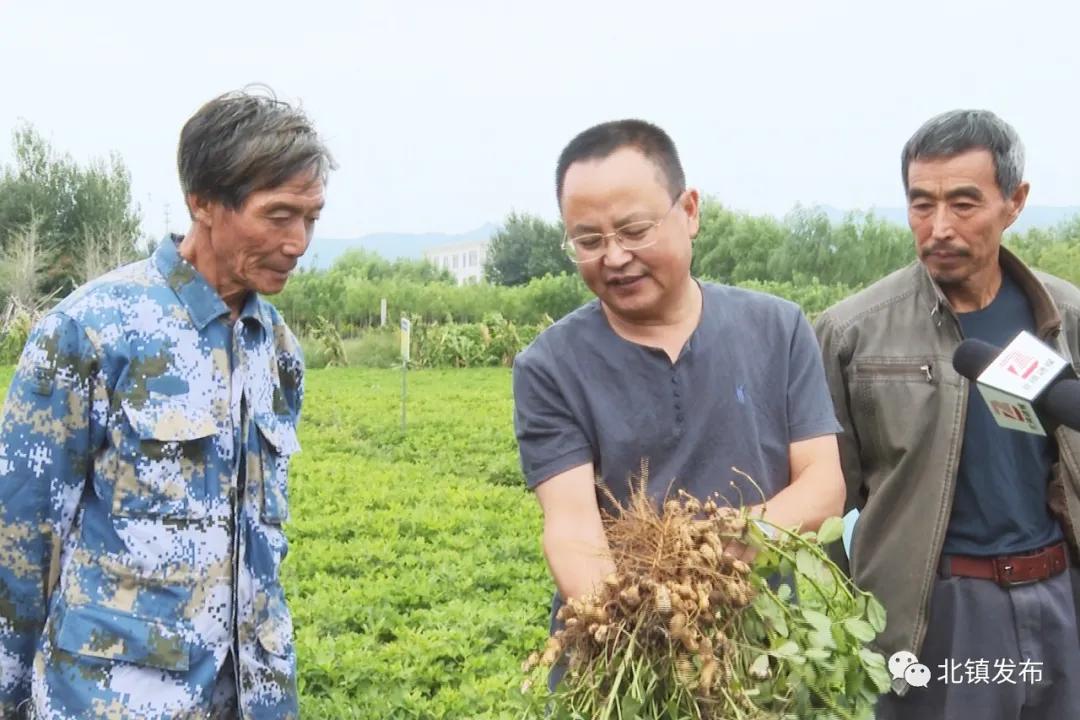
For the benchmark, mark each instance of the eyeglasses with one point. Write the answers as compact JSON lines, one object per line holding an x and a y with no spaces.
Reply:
{"x":631,"y":237}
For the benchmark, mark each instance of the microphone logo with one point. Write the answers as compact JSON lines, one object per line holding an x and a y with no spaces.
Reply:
{"x":1022,"y":384}
{"x":1010,"y":411}
{"x":1019,"y":364}
{"x":1024,"y":368}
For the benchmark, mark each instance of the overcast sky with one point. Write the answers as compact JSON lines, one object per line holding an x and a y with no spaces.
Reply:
{"x":447,"y":115}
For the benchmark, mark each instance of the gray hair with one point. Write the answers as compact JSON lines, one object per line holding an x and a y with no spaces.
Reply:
{"x":244,"y":141}
{"x":958,"y":131}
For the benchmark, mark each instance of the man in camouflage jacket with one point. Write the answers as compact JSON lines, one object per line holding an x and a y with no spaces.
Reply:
{"x":144,"y":446}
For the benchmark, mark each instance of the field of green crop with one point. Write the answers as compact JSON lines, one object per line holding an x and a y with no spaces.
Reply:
{"x":414,"y":574}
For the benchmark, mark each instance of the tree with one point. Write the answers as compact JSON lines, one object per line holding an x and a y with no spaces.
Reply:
{"x":857,"y":251}
{"x":732,"y":247}
{"x":22,"y":266}
{"x":82,"y":215}
{"x":807,"y":250}
{"x":1054,"y":250}
{"x":370,"y":265}
{"x":23,"y":262}
{"x":868,"y":248}
{"x":526,"y":247}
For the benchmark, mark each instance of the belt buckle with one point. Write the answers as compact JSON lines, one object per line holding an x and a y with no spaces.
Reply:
{"x":1006,"y":569}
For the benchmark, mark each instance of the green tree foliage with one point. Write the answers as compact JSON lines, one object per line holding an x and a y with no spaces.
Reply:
{"x":805,"y":258}
{"x":734,"y":247}
{"x":857,"y":251}
{"x":352,"y":303}
{"x":524,"y":248}
{"x":813,"y":296}
{"x":372,"y":266}
{"x":1055,"y":250}
{"x":23,"y":262}
{"x":83,"y":214}
{"x":731,"y":247}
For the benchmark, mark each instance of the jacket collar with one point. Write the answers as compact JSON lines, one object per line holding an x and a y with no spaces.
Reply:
{"x":202,"y":302}
{"x":1047,"y":315}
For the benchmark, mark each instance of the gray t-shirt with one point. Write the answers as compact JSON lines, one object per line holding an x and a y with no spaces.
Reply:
{"x":747,"y":384}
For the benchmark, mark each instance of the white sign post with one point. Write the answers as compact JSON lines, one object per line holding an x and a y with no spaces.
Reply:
{"x":406,"y":343}
{"x":1010,"y":384}
{"x":382,"y":313}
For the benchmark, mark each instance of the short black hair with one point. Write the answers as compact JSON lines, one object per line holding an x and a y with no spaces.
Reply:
{"x":600,"y":141}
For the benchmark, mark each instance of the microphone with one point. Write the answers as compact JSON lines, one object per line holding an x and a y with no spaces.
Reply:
{"x":1021,"y":383}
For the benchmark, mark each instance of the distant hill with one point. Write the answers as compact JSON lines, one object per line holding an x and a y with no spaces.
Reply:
{"x":1034,"y":216}
{"x":324,"y":251}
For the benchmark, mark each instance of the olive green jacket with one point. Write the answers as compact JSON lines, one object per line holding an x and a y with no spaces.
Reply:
{"x":888,"y":359}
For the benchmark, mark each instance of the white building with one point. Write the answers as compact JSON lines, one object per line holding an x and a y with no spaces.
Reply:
{"x":465,"y":261}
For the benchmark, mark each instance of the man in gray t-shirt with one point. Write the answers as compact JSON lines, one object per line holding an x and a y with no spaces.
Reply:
{"x":746,"y":385}
{"x":696,"y":377}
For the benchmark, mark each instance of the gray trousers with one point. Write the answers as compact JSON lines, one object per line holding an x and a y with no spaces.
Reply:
{"x":984,"y":645}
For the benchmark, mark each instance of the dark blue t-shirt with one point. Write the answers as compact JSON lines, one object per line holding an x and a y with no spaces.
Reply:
{"x":1000,"y":505}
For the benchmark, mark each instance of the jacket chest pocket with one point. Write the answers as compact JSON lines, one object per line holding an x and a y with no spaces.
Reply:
{"x":278,"y":443}
{"x":162,"y":461}
{"x":894,"y":404}
{"x":881,"y":371}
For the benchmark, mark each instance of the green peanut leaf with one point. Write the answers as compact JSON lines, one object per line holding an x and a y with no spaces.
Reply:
{"x":819,"y":621}
{"x":875,"y":614}
{"x":860,"y":629}
{"x":831,"y":530}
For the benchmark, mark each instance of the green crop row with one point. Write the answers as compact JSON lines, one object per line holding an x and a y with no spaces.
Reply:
{"x":415,"y":573}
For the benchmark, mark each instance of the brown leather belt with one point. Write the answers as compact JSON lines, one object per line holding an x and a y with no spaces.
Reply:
{"x":1010,"y":570}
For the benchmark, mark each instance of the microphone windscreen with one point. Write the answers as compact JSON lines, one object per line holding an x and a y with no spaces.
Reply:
{"x":1062,"y":403}
{"x":973,"y":356}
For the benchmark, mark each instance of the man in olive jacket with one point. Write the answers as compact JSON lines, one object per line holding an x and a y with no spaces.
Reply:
{"x":967,"y":530}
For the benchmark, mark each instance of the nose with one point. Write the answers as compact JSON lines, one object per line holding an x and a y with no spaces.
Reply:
{"x":614,"y":253}
{"x":298,"y":238}
{"x":942,"y":227}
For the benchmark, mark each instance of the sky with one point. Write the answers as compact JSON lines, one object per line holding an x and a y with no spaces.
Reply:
{"x":444,"y":116}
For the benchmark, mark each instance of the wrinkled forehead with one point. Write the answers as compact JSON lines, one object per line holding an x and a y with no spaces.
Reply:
{"x":973,"y":167}
{"x":304,"y":190}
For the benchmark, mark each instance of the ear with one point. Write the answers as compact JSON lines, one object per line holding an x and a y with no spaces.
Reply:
{"x":691,"y":204}
{"x":202,"y":210}
{"x":1015,"y":204}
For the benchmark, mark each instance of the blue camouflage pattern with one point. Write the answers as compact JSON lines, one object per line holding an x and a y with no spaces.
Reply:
{"x":134,"y":552}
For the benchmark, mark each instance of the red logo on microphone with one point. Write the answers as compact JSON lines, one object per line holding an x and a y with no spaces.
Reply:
{"x":1019,"y":364}
{"x":1010,"y":411}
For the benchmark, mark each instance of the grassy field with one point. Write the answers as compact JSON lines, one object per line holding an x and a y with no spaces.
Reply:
{"x":414,"y":573}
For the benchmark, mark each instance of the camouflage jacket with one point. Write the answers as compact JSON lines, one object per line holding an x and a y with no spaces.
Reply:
{"x":144,"y":447}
